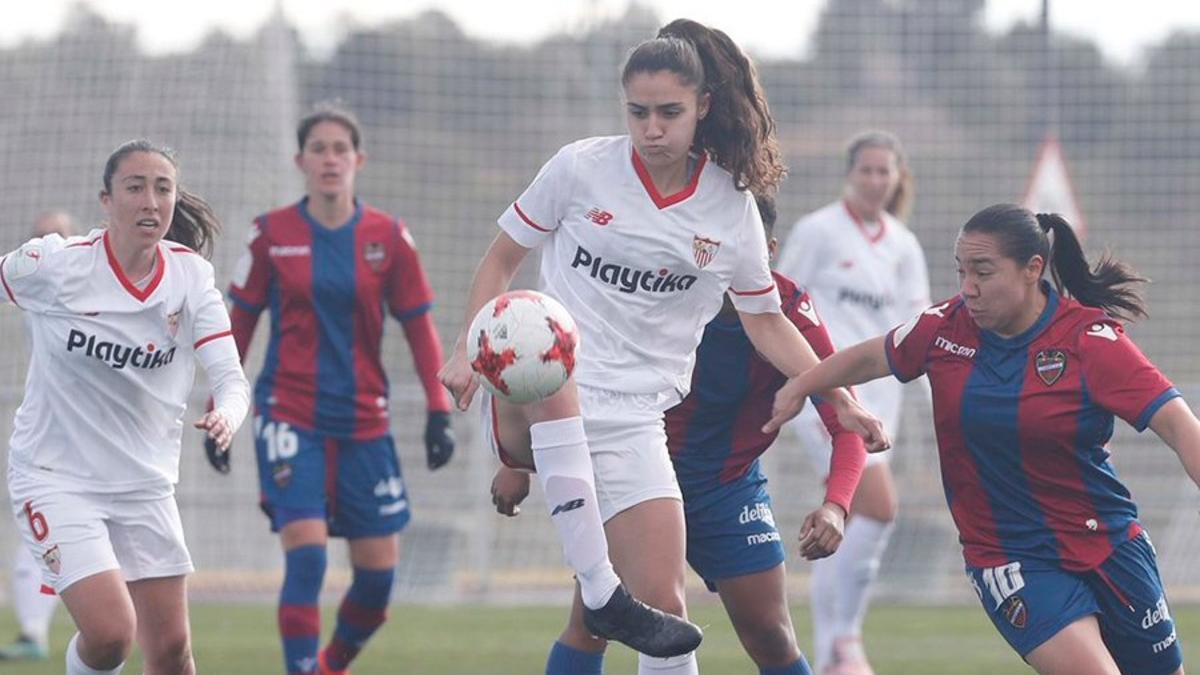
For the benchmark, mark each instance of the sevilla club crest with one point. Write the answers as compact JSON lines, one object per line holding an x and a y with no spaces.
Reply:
{"x":173,"y":323}
{"x":53,"y":559}
{"x":704,"y":250}
{"x":1050,"y":365}
{"x":374,"y":254}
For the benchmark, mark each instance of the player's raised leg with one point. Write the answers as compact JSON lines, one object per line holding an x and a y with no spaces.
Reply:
{"x":104,"y":616}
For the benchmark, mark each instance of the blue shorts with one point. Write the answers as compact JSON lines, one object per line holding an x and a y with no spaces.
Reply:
{"x":731,"y":531}
{"x":1030,"y":602}
{"x":355,"y":486}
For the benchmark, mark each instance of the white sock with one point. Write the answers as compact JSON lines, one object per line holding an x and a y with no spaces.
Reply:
{"x":564,"y":468}
{"x":823,"y":604}
{"x":33,"y":608}
{"x":857,"y":566}
{"x":671,"y":665}
{"x":76,"y":666}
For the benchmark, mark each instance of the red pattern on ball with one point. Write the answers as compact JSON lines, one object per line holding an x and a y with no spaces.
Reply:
{"x":491,"y":363}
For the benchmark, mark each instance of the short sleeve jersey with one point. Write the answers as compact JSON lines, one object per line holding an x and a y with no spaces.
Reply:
{"x":1022,"y":425}
{"x":640,"y":272}
{"x":327,"y":291}
{"x":112,"y":363}
{"x":865,"y":282}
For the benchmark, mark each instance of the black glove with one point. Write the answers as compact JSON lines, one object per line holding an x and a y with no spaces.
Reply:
{"x":439,"y":440}
{"x":219,"y":460}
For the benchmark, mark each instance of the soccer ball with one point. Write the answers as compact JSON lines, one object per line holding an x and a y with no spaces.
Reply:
{"x":522,"y":344}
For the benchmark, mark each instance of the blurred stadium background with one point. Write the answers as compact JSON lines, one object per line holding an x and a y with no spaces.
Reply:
{"x":456,"y":127}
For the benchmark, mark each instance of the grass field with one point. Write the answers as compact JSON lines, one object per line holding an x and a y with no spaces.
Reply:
{"x":240,"y":639}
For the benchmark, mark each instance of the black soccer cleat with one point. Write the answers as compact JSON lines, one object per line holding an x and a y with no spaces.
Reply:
{"x":641,"y":627}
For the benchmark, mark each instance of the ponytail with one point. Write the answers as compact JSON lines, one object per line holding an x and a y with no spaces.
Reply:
{"x":1108,"y":285}
{"x":738,"y":132}
{"x":194,"y":224}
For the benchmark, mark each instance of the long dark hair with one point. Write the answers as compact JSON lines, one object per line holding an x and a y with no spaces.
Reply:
{"x":1108,"y":285}
{"x":329,"y":111}
{"x":738,"y":132}
{"x":193,"y":223}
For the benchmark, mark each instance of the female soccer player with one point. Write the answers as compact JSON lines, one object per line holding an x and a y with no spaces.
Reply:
{"x":715,"y":441}
{"x":866,"y":271}
{"x":1026,"y":382}
{"x":327,"y":267}
{"x":641,"y":237}
{"x":117,"y":319}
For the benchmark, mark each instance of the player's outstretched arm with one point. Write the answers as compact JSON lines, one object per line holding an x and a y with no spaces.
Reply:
{"x":863,"y":362}
{"x":492,"y":277}
{"x":1177,"y":425}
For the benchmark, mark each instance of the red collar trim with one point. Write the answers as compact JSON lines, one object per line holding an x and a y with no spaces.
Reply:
{"x":139,"y":293}
{"x":862,"y":227}
{"x":660,"y":201}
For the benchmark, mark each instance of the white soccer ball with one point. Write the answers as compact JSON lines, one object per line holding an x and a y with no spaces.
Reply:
{"x":522,"y":345}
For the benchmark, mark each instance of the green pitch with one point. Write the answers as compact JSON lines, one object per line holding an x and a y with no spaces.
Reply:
{"x":238,"y":639}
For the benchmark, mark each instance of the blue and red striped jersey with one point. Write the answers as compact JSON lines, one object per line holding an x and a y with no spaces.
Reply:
{"x":1022,"y":424}
{"x":326,"y":290}
{"x":715,"y":434}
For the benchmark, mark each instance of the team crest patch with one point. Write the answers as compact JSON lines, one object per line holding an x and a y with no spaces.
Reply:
{"x":374,"y":254}
{"x":282,"y":474}
{"x":704,"y":250}
{"x":1015,"y":611}
{"x":1050,"y":365}
{"x":173,"y":323}
{"x":53,"y":559}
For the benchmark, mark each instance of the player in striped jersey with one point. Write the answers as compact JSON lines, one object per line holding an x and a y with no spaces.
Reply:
{"x":117,"y":319}
{"x":327,"y":268}
{"x":1026,"y":382}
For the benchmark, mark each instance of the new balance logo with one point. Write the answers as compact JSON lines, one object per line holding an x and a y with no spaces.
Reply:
{"x":599,"y":217}
{"x":566,"y":506}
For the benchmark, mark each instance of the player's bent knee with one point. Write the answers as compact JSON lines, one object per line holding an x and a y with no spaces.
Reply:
{"x":770,"y":645}
{"x":172,"y":655}
{"x":107,"y":648}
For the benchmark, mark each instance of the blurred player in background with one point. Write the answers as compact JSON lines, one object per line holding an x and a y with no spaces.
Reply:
{"x":1026,"y":382}
{"x":641,"y":237}
{"x":34,"y":609}
{"x":716,"y":440}
{"x":866,"y":271}
{"x":117,"y":319}
{"x":327,"y":268}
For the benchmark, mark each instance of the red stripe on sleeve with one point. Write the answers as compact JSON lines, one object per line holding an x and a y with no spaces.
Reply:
{"x":761,"y":291}
{"x":207,"y":339}
{"x":5,"y":282}
{"x":525,"y":218}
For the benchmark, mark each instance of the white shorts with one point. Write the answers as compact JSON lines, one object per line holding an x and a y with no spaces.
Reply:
{"x":628,"y":443}
{"x":75,"y":535}
{"x":816,"y":442}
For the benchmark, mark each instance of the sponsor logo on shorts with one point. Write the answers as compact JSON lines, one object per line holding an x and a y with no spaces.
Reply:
{"x":1015,"y":611}
{"x":53,"y":559}
{"x":1162,"y":646}
{"x":1156,"y":614}
{"x":759,"y":511}
{"x":761,"y":538}
{"x":390,"y":487}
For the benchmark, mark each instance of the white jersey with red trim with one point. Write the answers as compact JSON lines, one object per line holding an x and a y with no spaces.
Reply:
{"x":112,"y":363}
{"x":864,"y":281}
{"x":640,"y":273}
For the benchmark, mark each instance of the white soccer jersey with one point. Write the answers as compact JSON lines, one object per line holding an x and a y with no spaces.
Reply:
{"x":640,"y":273}
{"x":863,"y":284}
{"x":112,"y":364}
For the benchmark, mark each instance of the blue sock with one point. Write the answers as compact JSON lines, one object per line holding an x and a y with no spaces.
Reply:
{"x":566,"y":660}
{"x":363,"y":611}
{"x":299,"y":615}
{"x":800,"y":667}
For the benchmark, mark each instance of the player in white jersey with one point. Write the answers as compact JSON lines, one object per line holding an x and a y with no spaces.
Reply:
{"x":866,"y":271}
{"x":641,"y":237}
{"x":34,"y":609}
{"x":117,"y":320}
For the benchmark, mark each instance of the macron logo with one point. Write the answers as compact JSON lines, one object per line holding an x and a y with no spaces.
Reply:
{"x":954,"y":348}
{"x":289,"y":251}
